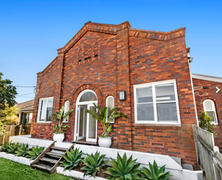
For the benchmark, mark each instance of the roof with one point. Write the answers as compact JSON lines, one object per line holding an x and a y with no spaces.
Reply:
{"x":207,"y":78}
{"x":26,"y":106}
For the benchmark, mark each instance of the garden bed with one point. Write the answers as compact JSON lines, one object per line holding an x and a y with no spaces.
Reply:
{"x":12,"y":157}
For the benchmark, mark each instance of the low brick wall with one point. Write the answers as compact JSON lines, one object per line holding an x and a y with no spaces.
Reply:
{"x":14,"y":130}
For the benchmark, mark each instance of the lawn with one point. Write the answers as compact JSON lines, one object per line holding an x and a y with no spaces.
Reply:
{"x":10,"y":170}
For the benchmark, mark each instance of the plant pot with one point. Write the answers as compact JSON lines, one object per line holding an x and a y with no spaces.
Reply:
{"x":58,"y":137}
{"x":105,"y":142}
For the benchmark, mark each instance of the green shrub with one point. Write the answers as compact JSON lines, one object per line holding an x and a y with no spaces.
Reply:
{"x":206,"y":123}
{"x":13,"y":147}
{"x":35,"y":152}
{"x":123,"y":168}
{"x":23,"y":150}
{"x":154,"y":173}
{"x":93,"y":164}
{"x":4,"y":147}
{"x":72,"y":159}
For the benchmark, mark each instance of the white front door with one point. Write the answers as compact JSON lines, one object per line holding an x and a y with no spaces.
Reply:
{"x":91,"y":125}
{"x":86,"y":129}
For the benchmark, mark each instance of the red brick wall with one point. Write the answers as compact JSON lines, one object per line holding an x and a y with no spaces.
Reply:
{"x":203,"y":94}
{"x":125,"y":57}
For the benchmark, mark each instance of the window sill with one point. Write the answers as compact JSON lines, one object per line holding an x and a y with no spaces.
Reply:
{"x":43,"y":122}
{"x":150,"y":124}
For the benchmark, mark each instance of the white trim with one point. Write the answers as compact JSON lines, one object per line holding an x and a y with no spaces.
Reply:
{"x":155,"y":121}
{"x":112,"y":108}
{"x":214,"y":109}
{"x":83,"y":103}
{"x":40,"y":99}
{"x":207,"y":78}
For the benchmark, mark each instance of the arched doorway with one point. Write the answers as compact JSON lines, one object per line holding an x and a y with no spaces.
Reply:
{"x":85,"y":124}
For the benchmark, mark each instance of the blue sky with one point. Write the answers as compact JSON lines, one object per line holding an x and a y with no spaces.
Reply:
{"x":32,"y":31}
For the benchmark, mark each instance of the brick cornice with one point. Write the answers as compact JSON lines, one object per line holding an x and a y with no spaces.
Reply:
{"x":93,"y":27}
{"x":157,"y":35}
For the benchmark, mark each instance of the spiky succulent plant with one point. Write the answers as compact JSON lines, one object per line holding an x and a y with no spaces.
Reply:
{"x":35,"y":152}
{"x":23,"y":150}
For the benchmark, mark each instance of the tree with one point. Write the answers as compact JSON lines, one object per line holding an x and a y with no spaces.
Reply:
{"x":7,"y":92}
{"x":9,"y":115}
{"x":206,"y":123}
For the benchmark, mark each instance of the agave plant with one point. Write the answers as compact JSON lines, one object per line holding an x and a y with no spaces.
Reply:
{"x":72,"y":159}
{"x":23,"y":150}
{"x":93,"y":164}
{"x":123,"y":168}
{"x":13,"y":147}
{"x":4,"y":147}
{"x":154,"y":173}
{"x":35,"y":152}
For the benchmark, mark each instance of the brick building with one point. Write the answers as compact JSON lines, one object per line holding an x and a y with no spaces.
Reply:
{"x":101,"y":61}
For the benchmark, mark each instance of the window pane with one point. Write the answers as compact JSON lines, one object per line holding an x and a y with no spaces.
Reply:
{"x":49,"y":114}
{"x":66,"y":109}
{"x":88,"y":96}
{"x":92,"y":124}
{"x":144,"y":95}
{"x":145,"y":112}
{"x":110,"y":106}
{"x":50,"y":102}
{"x":165,"y":92}
{"x":208,"y":106}
{"x":43,"y":110}
{"x":167,"y":112}
{"x":211,"y":114}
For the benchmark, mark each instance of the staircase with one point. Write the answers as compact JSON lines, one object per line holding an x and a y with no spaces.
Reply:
{"x":49,"y":159}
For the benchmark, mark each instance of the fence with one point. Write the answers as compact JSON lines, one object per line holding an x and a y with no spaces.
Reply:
{"x":208,"y":155}
{"x":14,"y":130}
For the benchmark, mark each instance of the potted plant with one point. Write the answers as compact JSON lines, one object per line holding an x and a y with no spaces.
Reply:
{"x":60,"y":127}
{"x":101,"y":115}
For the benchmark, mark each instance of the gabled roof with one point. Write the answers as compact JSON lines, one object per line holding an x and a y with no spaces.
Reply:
{"x":207,"y":78}
{"x":26,"y":106}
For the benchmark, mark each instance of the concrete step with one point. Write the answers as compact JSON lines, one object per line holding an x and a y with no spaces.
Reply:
{"x":59,"y":148}
{"x":42,"y":167}
{"x":187,"y":166}
{"x":45,"y":159}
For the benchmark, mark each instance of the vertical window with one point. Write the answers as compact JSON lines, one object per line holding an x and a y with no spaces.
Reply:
{"x":66,"y":109}
{"x":209,"y":108}
{"x":110,"y":106}
{"x":156,"y":103}
{"x":45,"y":109}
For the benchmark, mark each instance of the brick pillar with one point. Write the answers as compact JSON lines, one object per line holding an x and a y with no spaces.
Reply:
{"x":123,"y":84}
{"x":58,"y":82}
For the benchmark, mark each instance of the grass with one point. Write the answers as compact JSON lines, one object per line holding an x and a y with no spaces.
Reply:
{"x":10,"y":170}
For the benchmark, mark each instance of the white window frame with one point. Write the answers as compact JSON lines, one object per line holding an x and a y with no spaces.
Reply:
{"x":155,"y":122}
{"x":46,"y":107}
{"x":214,"y":109}
{"x":67,"y":103}
{"x":107,"y":107}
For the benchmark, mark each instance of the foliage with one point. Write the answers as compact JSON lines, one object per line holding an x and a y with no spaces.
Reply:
{"x":23,"y":150}
{"x":13,"y":147}
{"x":206,"y":123}
{"x":93,"y":164}
{"x":59,"y":118}
{"x":154,"y":173}
{"x":7,"y":92}
{"x":72,"y":159}
{"x":35,"y":152}
{"x":15,"y":171}
{"x":101,"y":114}
{"x":2,"y":129}
{"x":9,"y":114}
{"x":4,"y":147}
{"x":123,"y":168}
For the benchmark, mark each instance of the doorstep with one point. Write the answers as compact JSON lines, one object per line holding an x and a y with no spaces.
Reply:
{"x":76,"y":174}
{"x":85,"y":143}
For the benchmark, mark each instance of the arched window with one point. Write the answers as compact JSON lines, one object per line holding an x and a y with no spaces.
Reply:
{"x":209,"y":108}
{"x":88,"y":96}
{"x":66,"y":109}
{"x":110,"y":105}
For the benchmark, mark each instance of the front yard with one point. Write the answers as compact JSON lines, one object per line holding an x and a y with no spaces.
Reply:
{"x":10,"y":170}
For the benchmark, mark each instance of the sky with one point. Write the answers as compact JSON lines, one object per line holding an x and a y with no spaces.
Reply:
{"x":31,"y":31}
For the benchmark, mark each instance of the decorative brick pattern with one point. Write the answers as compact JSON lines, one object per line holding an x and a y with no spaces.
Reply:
{"x":202,"y":94}
{"x":125,"y":57}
